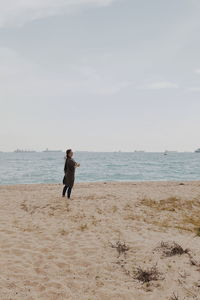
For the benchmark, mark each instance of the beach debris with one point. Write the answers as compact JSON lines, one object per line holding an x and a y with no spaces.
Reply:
{"x":83,"y":227}
{"x":171,"y":249}
{"x":174,"y":297}
{"x":121,"y":248}
{"x":64,"y":232}
{"x":194,"y":262}
{"x":147,"y":275}
{"x":197,"y":231}
{"x":24,"y":206}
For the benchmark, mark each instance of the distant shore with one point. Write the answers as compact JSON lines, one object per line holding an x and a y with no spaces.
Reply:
{"x":53,"y":248}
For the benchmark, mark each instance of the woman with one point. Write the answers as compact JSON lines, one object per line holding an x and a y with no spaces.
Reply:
{"x":69,"y":170}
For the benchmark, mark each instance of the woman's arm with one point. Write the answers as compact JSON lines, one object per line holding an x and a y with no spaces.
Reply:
{"x":71,"y":165}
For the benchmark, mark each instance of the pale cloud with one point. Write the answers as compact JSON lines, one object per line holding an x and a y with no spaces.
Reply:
{"x":197,"y":71}
{"x":109,"y":88}
{"x":159,"y":85}
{"x":21,"y":78}
{"x":194,"y":89}
{"x":19,"y":12}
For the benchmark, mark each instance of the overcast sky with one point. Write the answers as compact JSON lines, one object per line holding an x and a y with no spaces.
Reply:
{"x":100,"y":74}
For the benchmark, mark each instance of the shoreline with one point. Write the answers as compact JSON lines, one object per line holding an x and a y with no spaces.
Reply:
{"x":105,"y":182}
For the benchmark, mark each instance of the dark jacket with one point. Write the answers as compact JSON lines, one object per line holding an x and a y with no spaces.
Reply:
{"x":69,"y":171}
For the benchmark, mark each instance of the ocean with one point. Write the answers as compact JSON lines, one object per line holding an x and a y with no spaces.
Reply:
{"x":47,"y":167}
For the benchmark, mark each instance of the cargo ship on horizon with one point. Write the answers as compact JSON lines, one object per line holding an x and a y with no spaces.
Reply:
{"x":47,"y":150}
{"x":197,"y":151}
{"x":24,"y":151}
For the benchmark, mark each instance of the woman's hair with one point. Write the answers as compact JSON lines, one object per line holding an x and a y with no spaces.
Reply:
{"x":67,"y":152}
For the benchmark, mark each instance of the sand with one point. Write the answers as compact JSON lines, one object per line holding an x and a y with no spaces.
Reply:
{"x":54,"y":248}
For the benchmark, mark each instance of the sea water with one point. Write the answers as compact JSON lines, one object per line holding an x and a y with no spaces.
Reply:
{"x":47,"y":167}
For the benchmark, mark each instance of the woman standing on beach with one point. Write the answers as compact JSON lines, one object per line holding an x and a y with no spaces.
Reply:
{"x":69,"y":170}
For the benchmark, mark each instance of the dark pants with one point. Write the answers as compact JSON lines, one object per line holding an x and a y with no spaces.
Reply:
{"x":68,"y":189}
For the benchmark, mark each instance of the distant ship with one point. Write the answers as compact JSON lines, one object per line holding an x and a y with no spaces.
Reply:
{"x":47,"y":150}
{"x":168,"y":152}
{"x":24,"y":151}
{"x":198,"y":150}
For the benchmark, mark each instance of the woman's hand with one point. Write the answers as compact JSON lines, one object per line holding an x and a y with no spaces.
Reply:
{"x":77,"y":165}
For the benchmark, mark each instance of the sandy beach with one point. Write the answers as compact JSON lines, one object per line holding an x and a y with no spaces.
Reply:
{"x":111,"y":241}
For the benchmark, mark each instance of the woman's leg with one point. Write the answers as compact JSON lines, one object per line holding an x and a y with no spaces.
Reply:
{"x":64,"y":190}
{"x":69,"y":192}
